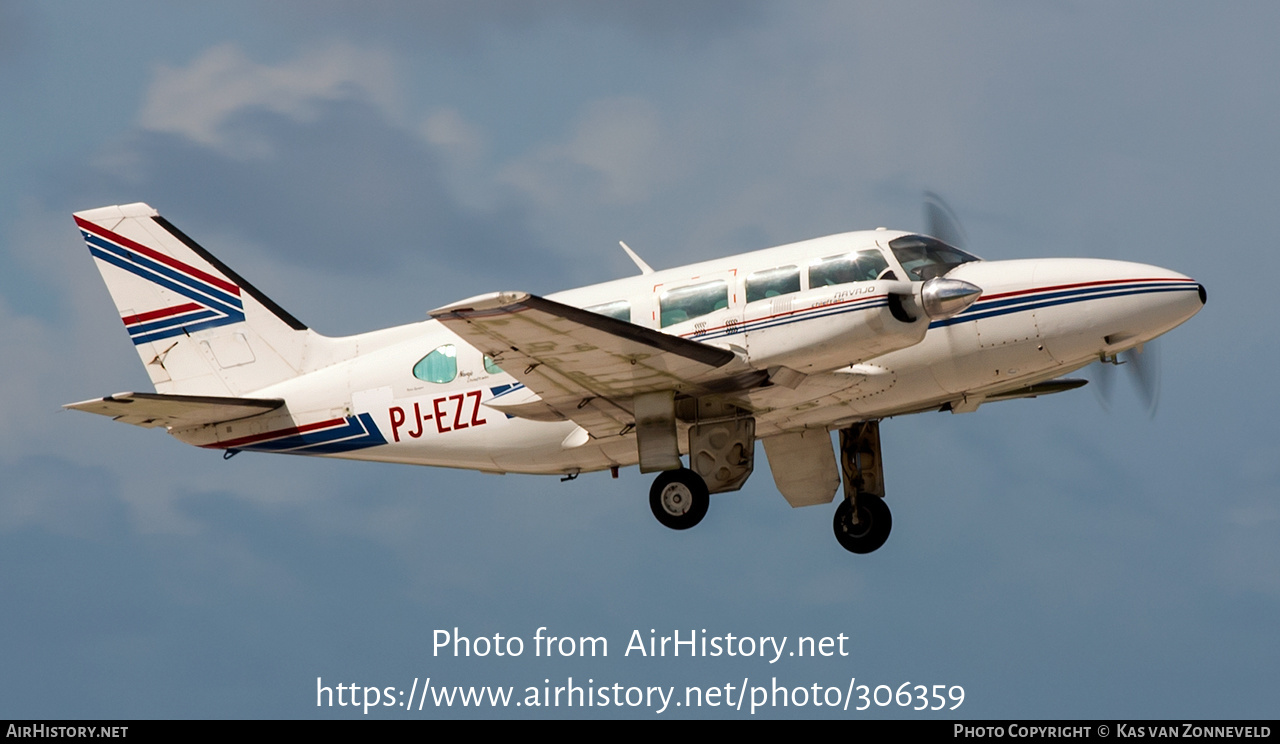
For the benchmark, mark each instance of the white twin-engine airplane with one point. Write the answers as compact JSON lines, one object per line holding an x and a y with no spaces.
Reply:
{"x":781,"y":345}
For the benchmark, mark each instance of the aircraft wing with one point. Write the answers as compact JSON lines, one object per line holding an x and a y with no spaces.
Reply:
{"x":150,"y":410}
{"x":582,"y":366}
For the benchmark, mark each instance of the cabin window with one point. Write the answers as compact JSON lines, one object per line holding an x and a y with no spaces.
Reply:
{"x":924,"y":258}
{"x":686,"y":303}
{"x":773,"y":282}
{"x":620,"y":310}
{"x":440,"y":365}
{"x":491,"y":366}
{"x":863,"y":266}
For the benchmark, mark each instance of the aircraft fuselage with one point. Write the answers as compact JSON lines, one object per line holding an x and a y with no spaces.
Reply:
{"x":1037,"y":319}
{"x":695,"y":363}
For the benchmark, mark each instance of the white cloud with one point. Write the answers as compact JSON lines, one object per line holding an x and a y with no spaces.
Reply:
{"x":614,"y":155}
{"x":447,"y":130}
{"x":199,"y":100}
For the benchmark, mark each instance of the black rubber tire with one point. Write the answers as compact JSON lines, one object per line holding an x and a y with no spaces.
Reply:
{"x":872,"y":530}
{"x":679,"y":498}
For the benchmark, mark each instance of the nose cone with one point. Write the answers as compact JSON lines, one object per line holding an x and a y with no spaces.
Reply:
{"x":1077,"y":307}
{"x":943,"y":298}
{"x":1130,"y":302}
{"x":1165,"y":299}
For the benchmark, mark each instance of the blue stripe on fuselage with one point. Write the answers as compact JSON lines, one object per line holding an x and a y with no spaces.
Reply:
{"x":994,"y":308}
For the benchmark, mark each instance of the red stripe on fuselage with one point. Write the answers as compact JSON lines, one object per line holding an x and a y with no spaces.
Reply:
{"x":277,"y":434}
{"x":789,"y":313}
{"x":172,"y":263}
{"x":1104,"y":282}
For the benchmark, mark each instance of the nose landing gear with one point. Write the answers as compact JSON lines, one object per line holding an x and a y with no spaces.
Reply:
{"x":862,"y":521}
{"x":869,"y":530}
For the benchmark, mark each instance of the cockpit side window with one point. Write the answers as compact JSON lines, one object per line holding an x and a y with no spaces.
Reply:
{"x":762,"y":285}
{"x":686,"y":303}
{"x":924,"y":258}
{"x":620,"y":310}
{"x":441,"y":365}
{"x":863,"y":266}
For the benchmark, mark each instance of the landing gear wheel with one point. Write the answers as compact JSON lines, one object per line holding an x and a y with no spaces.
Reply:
{"x":871,"y":529}
{"x":679,"y":498}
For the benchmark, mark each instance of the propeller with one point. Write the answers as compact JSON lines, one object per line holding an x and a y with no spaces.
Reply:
{"x":1141,"y":365}
{"x":939,"y":297}
{"x":941,"y":221}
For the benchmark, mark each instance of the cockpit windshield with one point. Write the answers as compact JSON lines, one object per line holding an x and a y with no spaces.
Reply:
{"x":924,"y":258}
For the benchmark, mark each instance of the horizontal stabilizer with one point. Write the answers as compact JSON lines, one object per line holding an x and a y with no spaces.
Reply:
{"x":150,"y":410}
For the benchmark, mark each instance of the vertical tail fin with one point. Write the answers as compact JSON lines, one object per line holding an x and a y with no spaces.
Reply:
{"x":199,"y":328}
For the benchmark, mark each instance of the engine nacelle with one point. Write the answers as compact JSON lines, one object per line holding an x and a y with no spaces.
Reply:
{"x":832,"y":327}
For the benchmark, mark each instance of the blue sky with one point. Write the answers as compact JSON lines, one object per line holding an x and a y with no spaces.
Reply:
{"x":362,"y":164}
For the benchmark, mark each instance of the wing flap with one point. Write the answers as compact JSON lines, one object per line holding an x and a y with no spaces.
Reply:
{"x":150,"y":410}
{"x":804,"y":466}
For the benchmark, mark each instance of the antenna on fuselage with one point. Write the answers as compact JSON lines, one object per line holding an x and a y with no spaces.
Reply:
{"x":644,"y":267}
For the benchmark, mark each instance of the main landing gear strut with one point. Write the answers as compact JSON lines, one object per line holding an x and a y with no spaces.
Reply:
{"x":721,"y":453}
{"x":862,"y":521}
{"x":679,"y":498}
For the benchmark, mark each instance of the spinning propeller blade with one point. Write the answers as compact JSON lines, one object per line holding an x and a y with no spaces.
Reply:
{"x":1141,"y":365}
{"x":1144,"y":367}
{"x":941,"y":221}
